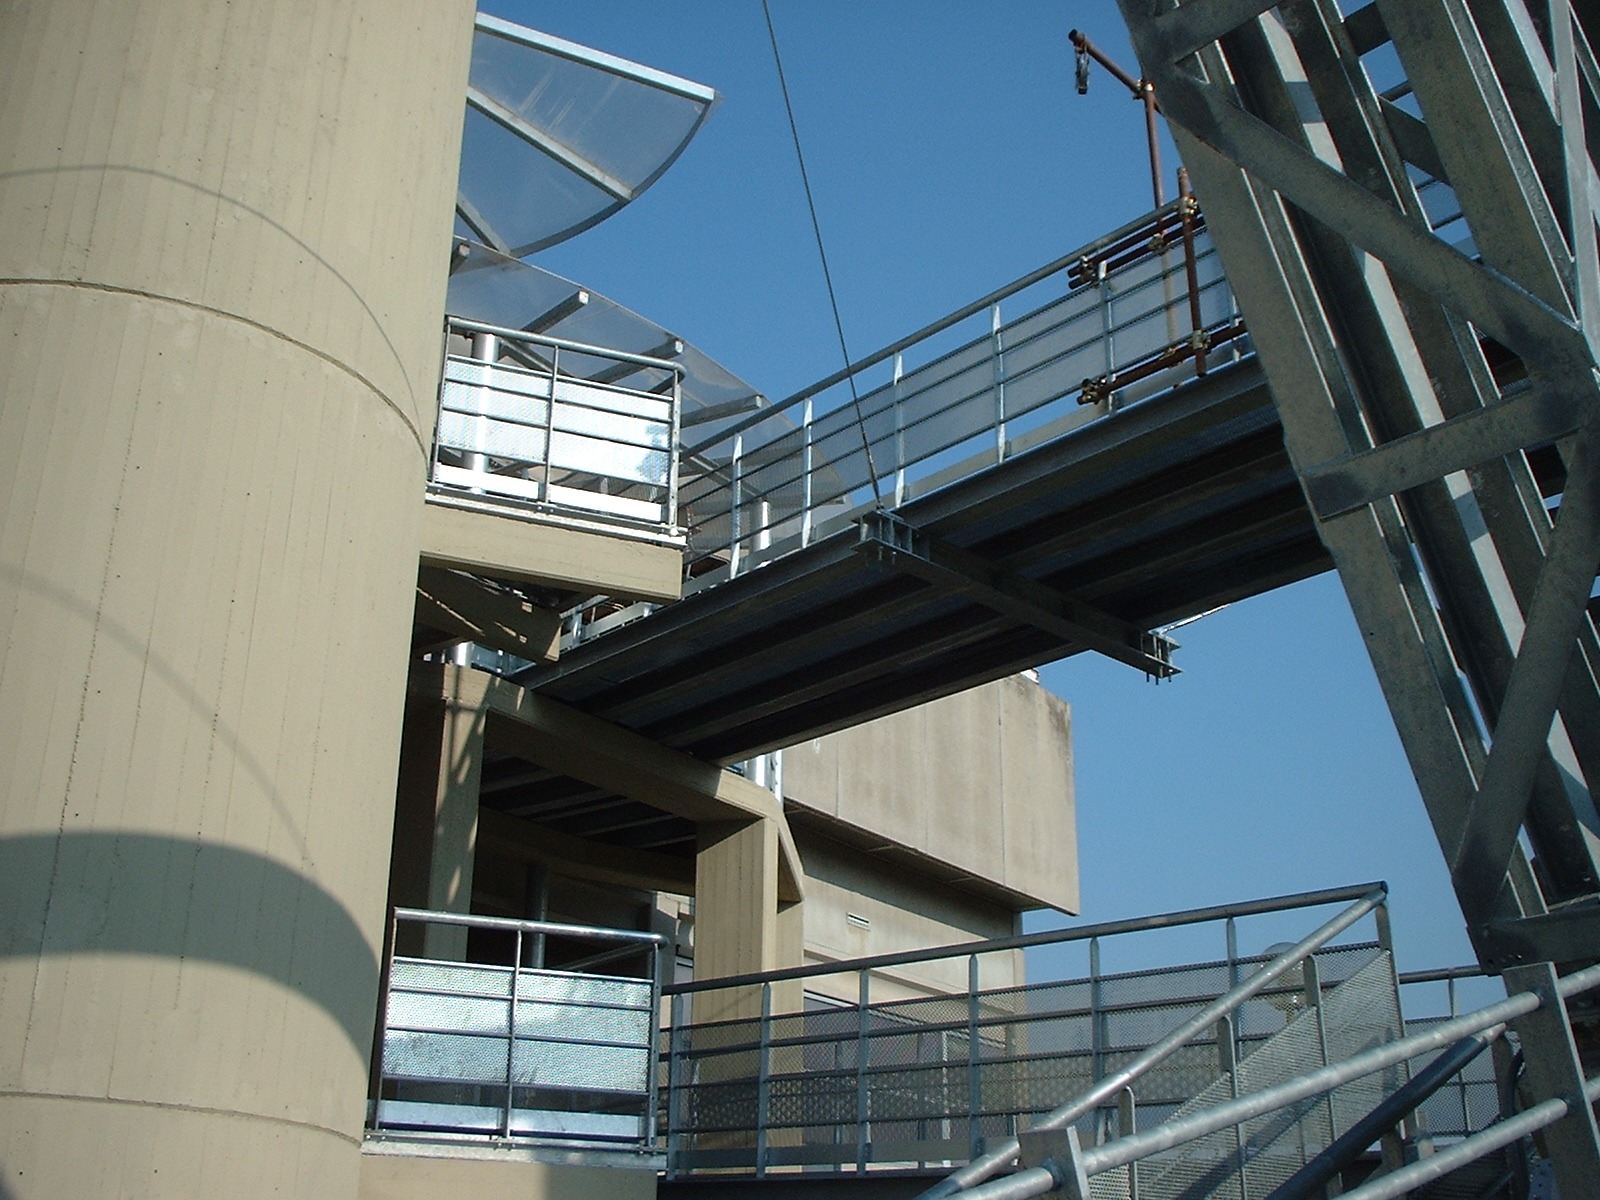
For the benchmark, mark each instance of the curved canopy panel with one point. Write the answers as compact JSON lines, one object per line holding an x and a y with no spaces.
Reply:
{"x":584,"y":132}
{"x":499,"y":290}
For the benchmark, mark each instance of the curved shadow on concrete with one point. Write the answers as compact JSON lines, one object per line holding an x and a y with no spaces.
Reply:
{"x":145,"y":894}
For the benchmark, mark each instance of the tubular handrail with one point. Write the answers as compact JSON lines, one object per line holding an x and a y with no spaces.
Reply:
{"x":955,"y":318}
{"x":1002,"y":1156}
{"x":543,"y":339}
{"x":593,"y":933}
{"x":1054,"y":1174}
{"x":1026,"y":941}
{"x":1495,"y":1137}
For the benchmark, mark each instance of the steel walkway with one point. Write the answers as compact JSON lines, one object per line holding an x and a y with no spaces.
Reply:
{"x":1067,"y":480}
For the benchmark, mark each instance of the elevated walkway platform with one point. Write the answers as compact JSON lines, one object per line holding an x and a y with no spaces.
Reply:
{"x":1003,"y":493}
{"x":1156,"y":512}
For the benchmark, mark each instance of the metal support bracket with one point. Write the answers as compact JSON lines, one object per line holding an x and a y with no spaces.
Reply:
{"x":893,"y":542}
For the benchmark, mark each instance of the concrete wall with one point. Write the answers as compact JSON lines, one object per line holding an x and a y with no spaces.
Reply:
{"x":497,"y":1176}
{"x":221,"y":283}
{"x":902,"y":911}
{"x":981,"y":781}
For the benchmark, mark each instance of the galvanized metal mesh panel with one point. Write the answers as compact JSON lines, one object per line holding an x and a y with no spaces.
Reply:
{"x":916,"y":1081}
{"x":584,"y":1067}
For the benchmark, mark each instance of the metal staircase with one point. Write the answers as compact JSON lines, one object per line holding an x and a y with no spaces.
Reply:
{"x":1434,"y":387}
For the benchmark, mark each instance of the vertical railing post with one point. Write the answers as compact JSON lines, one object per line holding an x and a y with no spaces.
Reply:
{"x":808,"y":434}
{"x":997,"y":352}
{"x":1231,"y":932}
{"x":736,"y":497}
{"x":1127,"y":1126}
{"x":511,"y":1031}
{"x":486,"y":349}
{"x":1107,"y":338}
{"x":677,"y":1082}
{"x":974,"y":1062}
{"x":652,"y":1078}
{"x":550,"y":422}
{"x":764,"y":1081}
{"x":670,"y":517}
{"x":1228,"y":1064}
{"x":386,"y":984}
{"x":1313,"y":996}
{"x":899,"y":433}
{"x":1097,"y":1048}
{"x":862,"y":1054}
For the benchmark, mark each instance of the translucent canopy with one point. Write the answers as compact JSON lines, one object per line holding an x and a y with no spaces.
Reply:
{"x":559,"y":136}
{"x":499,"y":290}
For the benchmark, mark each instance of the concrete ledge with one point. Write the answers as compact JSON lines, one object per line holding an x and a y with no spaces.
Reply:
{"x":404,"y":1169}
{"x":548,"y":554}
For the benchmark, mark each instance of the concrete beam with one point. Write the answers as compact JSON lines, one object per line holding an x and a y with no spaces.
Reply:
{"x":578,"y":858}
{"x":550,"y":733}
{"x":478,"y":611}
{"x":549,"y":555}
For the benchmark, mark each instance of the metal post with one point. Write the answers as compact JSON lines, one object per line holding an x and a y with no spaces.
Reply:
{"x":1127,"y":1126}
{"x":1107,"y":339}
{"x":764,"y":1081}
{"x":1096,"y":1035}
{"x":1228,"y":1064}
{"x":486,"y":349}
{"x":674,"y":437}
{"x":511,"y":1030}
{"x":865,"y":994}
{"x":1186,"y":212}
{"x":1312,"y":990}
{"x":974,"y":1062}
{"x":899,"y":434}
{"x":806,"y":465}
{"x":997,"y":347}
{"x":652,"y":1079}
{"x":677,"y":1084}
{"x":735,"y":496}
{"x":550,"y":422}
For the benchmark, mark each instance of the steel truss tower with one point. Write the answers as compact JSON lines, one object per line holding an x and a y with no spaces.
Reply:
{"x":1439,"y":397}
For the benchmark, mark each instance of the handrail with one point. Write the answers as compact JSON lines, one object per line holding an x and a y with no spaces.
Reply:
{"x":961,"y":314}
{"x":1002,"y":1156}
{"x":1495,"y":1137}
{"x":473,"y":920}
{"x":1172,"y":920}
{"x":544,"y":339}
{"x":1054,"y":1174}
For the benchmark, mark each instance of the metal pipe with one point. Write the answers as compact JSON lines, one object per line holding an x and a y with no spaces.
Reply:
{"x":522,"y":335}
{"x":1310,"y":1179}
{"x":1189,"y":916}
{"x":1497,"y":1136}
{"x":1314,"y":1083}
{"x":1144,"y":91}
{"x":510,"y":923}
{"x":1191,"y":272}
{"x":927,"y":331}
{"x":1002,"y":1156}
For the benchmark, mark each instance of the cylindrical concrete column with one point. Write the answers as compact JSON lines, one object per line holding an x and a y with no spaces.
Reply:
{"x":226,"y":227}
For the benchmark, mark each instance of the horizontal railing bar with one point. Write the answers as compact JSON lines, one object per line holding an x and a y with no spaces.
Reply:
{"x":939,"y":326}
{"x":541,"y":339}
{"x":429,"y":917}
{"x":1001,"y":1021}
{"x":1172,"y":920}
{"x":1442,"y":1161}
{"x":1314,"y":1083}
{"x":1002,"y":1156}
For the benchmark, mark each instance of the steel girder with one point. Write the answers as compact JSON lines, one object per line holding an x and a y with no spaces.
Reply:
{"x":1413,"y":458}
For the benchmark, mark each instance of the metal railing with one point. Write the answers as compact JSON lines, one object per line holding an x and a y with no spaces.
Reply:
{"x":1125,"y":317}
{"x":552,"y":425}
{"x":512,"y":1049}
{"x":1070,"y":1170}
{"x":897,"y":1079}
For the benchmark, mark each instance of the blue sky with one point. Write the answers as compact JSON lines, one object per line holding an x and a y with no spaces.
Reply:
{"x":950,"y":153}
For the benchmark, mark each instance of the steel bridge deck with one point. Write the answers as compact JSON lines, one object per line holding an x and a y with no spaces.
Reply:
{"x":1164,"y":509}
